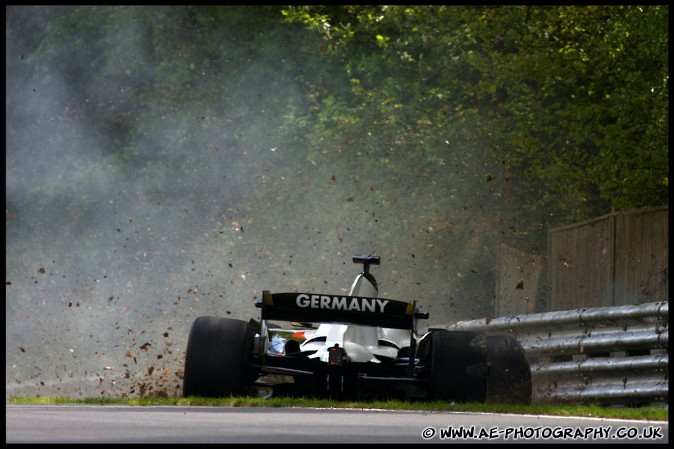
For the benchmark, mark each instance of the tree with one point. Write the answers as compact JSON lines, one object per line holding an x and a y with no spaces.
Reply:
{"x":573,"y":101}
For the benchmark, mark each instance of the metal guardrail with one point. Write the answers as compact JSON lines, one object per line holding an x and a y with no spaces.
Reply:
{"x":606,"y":355}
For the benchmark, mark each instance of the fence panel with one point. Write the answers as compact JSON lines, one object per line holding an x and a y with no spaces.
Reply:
{"x":519,"y":285}
{"x":581,"y":265}
{"x":642,"y":257}
{"x":617,"y":259}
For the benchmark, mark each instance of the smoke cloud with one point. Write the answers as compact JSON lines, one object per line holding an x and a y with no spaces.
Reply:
{"x":114,"y":246}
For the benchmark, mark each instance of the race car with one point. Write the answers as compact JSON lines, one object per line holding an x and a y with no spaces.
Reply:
{"x":356,"y":347}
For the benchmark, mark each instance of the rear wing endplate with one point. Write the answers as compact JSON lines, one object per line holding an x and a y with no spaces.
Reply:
{"x":323,"y":308}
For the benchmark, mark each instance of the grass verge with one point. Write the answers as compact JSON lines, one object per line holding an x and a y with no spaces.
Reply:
{"x":649,"y":413}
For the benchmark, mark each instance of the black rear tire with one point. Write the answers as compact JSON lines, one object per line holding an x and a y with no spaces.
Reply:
{"x":509,"y":378}
{"x":458,"y":366}
{"x":216,"y":358}
{"x":469,"y":366}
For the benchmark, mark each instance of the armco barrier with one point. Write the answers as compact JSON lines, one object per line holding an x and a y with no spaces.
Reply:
{"x":605,"y":355}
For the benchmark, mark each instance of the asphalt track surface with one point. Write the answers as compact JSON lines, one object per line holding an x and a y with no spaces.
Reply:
{"x":138,"y":424}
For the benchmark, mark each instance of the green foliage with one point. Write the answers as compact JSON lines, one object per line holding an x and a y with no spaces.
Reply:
{"x":566,"y":106}
{"x":572,"y":100}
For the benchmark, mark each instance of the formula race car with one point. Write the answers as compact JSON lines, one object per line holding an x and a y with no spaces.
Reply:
{"x":355,"y":346}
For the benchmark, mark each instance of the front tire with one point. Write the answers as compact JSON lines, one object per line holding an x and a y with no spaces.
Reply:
{"x":216,"y":358}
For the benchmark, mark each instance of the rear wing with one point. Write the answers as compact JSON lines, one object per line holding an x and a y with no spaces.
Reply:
{"x":322,"y":308}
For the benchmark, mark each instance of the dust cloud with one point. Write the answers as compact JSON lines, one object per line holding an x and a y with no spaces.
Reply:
{"x":115,"y":245}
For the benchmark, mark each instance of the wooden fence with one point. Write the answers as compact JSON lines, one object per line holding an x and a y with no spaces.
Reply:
{"x":617,"y":259}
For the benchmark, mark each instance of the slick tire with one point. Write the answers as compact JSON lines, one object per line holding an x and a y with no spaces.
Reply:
{"x":216,"y":358}
{"x":509,"y":380}
{"x":458,"y":366}
{"x":468,"y":366}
